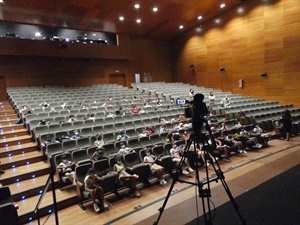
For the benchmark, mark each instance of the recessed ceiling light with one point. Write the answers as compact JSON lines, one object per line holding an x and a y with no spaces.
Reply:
{"x":136,"y":6}
{"x":218,"y":21}
{"x":1,"y":1}
{"x":240,"y":10}
{"x":222,"y":5}
{"x":121,"y":18}
{"x":138,"y":20}
{"x":155,"y":9}
{"x":181,"y":27}
{"x":199,"y":17}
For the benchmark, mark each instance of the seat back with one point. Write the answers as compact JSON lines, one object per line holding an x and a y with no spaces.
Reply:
{"x":8,"y":214}
{"x":5,"y":195}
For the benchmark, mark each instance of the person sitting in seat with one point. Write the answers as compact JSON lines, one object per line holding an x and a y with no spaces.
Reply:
{"x":176,"y":154}
{"x":99,"y":154}
{"x":151,"y":160}
{"x":92,"y":185}
{"x":99,"y":141}
{"x":143,"y":133}
{"x":72,"y":118}
{"x":225,"y":102}
{"x":122,"y":136}
{"x":124,"y":149}
{"x":76,"y":135}
{"x":246,"y":135}
{"x":123,"y":175}
{"x":66,"y":168}
{"x":230,"y":140}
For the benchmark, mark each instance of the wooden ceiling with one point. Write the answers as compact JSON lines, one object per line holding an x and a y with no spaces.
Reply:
{"x":103,"y":15}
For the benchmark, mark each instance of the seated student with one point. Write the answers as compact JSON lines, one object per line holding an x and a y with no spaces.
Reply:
{"x":43,"y":123}
{"x":225,"y":102}
{"x":211,"y":98}
{"x":76,"y":135}
{"x":99,"y":141}
{"x":122,"y":136}
{"x":150,"y":130}
{"x":162,"y":120}
{"x":47,"y":141}
{"x":143,"y":133}
{"x":134,"y":109}
{"x":72,"y":118}
{"x":67,"y":168}
{"x":176,"y":154}
{"x":124,"y":149}
{"x":91,"y":117}
{"x":185,"y":136}
{"x":200,"y":153}
{"x":91,"y":184}
{"x":99,"y":154}
{"x":230,"y":140}
{"x":223,"y":127}
{"x":261,"y":136}
{"x":163,"y":129}
{"x":181,"y":118}
{"x":170,"y":139}
{"x":223,"y":148}
{"x":151,"y":160}
{"x":246,"y":135}
{"x":123,"y":175}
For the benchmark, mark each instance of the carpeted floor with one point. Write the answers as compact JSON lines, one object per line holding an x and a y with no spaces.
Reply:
{"x":275,"y":202}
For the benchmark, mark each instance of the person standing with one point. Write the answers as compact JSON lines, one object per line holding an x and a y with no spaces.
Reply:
{"x":287,"y":124}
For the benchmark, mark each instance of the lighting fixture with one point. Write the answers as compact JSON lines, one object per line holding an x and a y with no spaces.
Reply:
{"x":222,"y":5}
{"x":155,"y":9}
{"x":199,"y":17}
{"x":136,"y":6}
{"x":181,"y":27}
{"x":121,"y":18}
{"x":138,"y":20}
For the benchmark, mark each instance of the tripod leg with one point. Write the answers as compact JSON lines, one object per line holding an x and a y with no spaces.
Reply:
{"x":175,"y":179}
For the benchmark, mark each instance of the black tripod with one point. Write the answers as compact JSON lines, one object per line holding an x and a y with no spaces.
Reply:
{"x":204,"y":193}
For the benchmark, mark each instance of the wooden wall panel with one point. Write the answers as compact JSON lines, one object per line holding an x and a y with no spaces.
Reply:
{"x":45,"y":63}
{"x":264,"y":38}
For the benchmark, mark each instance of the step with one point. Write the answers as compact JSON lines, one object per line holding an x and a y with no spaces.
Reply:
{"x":25,"y":172}
{"x":29,"y":188}
{"x":5,"y":115}
{"x":13,"y":133}
{"x":8,"y":121}
{"x":21,"y":159}
{"x":20,"y":140}
{"x":11,"y":126}
{"x":17,"y":149}
{"x":64,"y":199}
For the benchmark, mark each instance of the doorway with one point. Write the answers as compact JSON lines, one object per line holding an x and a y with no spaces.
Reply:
{"x":117,"y":78}
{"x":3,"y":96}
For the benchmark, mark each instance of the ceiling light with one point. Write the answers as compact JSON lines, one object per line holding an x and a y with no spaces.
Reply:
{"x":121,"y":18}
{"x":155,"y":9}
{"x":181,"y":27}
{"x":136,"y":6}
{"x":1,"y":1}
{"x":138,"y":20}
{"x":218,"y":21}
{"x":222,"y":5}
{"x":37,"y":34}
{"x":240,"y":10}
{"x":199,"y":17}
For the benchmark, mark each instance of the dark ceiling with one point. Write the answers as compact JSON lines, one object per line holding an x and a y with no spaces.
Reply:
{"x":103,"y":15}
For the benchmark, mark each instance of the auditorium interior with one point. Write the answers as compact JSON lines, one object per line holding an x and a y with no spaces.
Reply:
{"x":73,"y":73}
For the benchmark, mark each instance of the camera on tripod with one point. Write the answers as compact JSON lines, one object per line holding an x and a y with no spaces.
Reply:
{"x":188,"y":113}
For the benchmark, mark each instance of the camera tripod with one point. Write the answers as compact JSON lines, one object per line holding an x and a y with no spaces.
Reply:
{"x":204,"y":192}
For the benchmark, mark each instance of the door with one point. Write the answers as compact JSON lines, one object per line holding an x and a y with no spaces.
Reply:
{"x":118,"y":78}
{"x":3,"y":96}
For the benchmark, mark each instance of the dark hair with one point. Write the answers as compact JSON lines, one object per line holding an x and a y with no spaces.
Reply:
{"x":91,"y":171}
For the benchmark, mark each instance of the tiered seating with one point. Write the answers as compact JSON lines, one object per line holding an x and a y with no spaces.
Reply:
{"x":82,"y":149}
